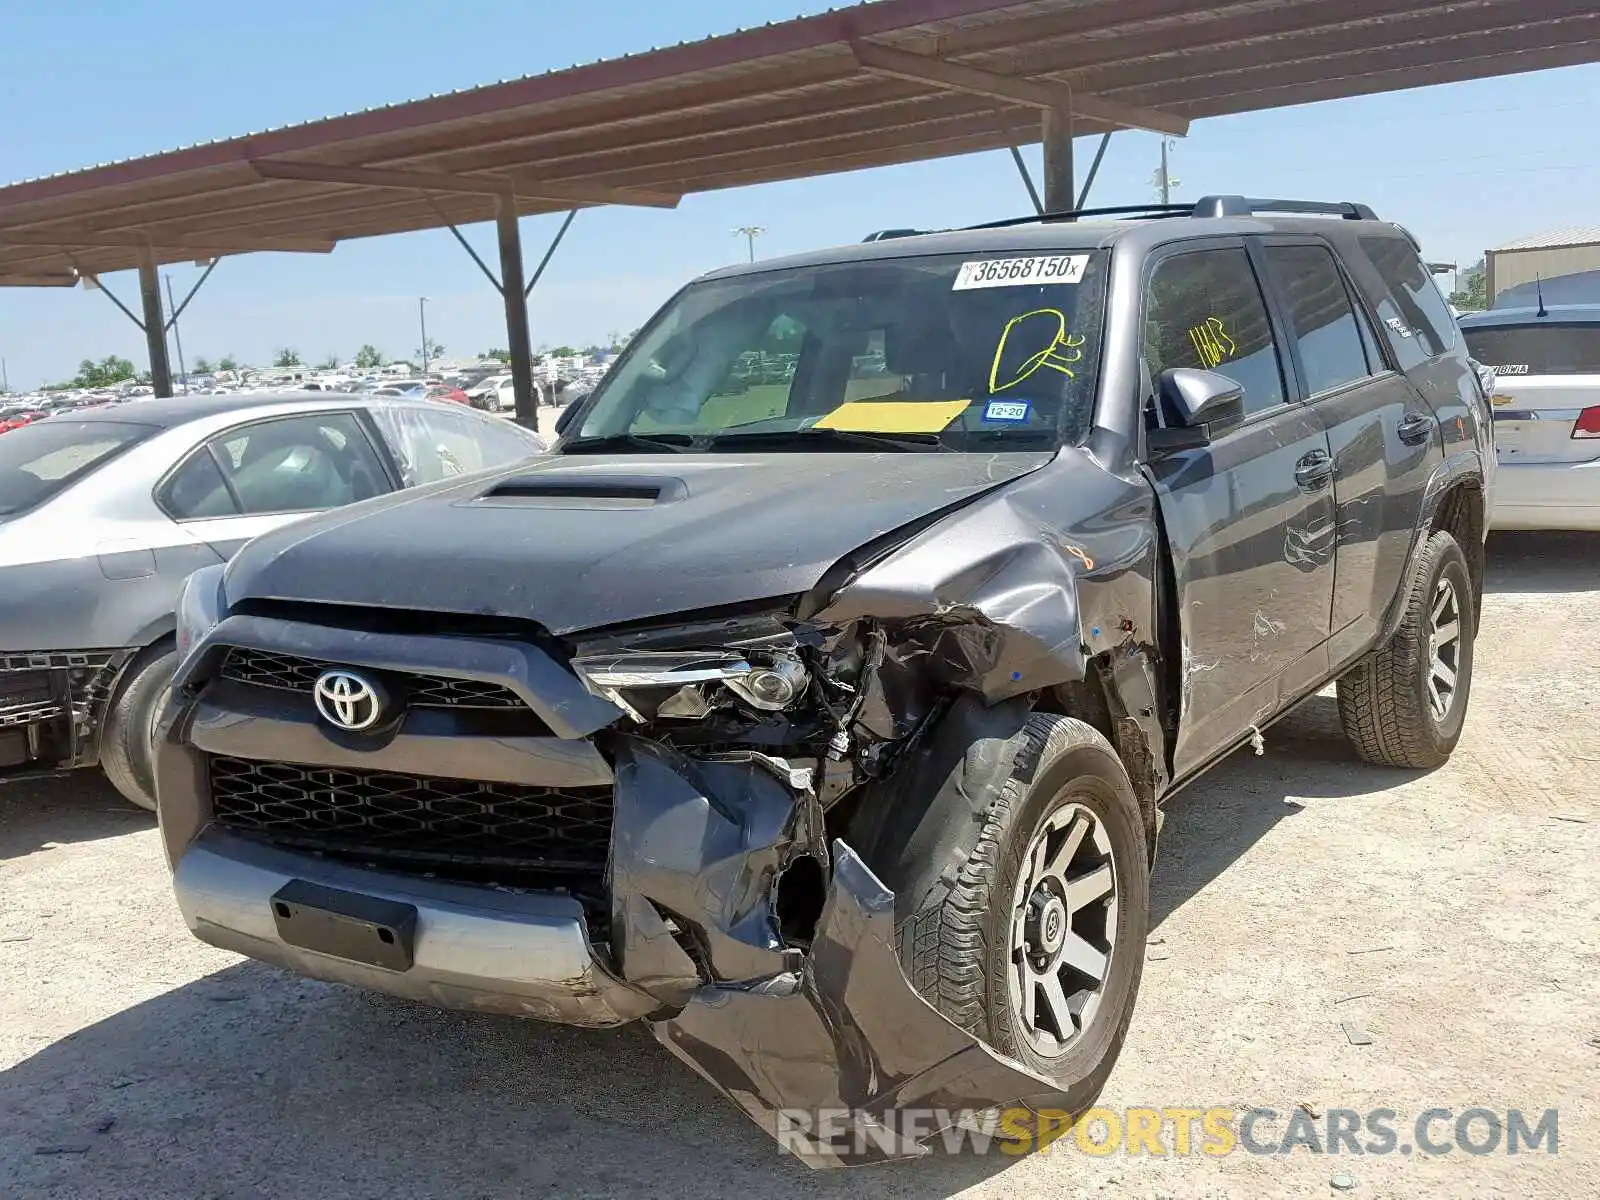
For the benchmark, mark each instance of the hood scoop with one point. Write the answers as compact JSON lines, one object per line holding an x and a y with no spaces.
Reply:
{"x":551,"y":490}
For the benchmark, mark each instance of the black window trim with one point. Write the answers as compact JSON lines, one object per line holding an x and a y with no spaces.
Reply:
{"x":1284,"y":315}
{"x":1171,"y":250}
{"x":158,"y":494}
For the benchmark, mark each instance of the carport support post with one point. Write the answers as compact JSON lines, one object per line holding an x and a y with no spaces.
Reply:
{"x":155,"y":323}
{"x":1056,"y":130}
{"x":518,"y":343}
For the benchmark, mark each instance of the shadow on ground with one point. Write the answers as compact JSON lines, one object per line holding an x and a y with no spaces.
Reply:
{"x":1543,"y":562}
{"x":1212,"y":823}
{"x":80,"y":806}
{"x":252,"y":1083}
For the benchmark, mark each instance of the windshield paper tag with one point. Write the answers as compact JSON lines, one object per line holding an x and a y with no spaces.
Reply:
{"x":1006,"y":410}
{"x":1020,"y":272}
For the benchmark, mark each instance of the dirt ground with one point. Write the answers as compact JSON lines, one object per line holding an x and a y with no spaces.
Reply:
{"x":1454,"y":918}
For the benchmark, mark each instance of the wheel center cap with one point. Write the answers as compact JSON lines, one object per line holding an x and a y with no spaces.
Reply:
{"x":1052,"y":925}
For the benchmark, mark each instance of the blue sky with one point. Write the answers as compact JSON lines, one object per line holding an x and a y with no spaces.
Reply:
{"x":1465,"y":166}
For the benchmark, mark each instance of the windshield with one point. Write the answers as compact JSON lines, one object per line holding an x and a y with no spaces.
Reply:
{"x":1537,"y":349}
{"x":963,"y":352}
{"x":38,"y":461}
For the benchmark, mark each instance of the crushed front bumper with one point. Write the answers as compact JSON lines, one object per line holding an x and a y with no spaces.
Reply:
{"x":691,"y":934}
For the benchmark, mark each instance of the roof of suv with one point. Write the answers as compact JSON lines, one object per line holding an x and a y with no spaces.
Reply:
{"x":1554,"y":314}
{"x":1088,"y":229}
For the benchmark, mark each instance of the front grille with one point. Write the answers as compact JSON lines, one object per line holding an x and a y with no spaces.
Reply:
{"x":414,"y":822}
{"x":264,"y":668}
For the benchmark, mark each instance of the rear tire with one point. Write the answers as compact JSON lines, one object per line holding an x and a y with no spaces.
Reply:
{"x":968,"y":950}
{"x":127,"y":752}
{"x":1405,"y":704}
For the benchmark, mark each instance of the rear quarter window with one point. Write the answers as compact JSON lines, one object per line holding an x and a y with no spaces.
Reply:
{"x":1414,"y":314}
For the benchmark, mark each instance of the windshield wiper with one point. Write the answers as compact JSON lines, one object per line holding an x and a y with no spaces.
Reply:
{"x":816,"y":436}
{"x":678,"y":443}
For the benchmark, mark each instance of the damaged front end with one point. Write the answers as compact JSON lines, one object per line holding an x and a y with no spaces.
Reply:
{"x":750,"y":752}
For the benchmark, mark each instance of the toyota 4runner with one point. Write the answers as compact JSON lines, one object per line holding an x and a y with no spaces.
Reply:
{"x":815,"y":699}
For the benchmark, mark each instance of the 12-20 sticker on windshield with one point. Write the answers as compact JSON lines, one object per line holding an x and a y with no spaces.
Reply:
{"x":1016,"y":272}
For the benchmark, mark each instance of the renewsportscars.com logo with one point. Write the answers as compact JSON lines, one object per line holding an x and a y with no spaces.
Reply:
{"x":846,"y":1133}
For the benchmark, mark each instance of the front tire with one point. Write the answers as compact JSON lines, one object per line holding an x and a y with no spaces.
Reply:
{"x":1038,"y":947}
{"x":1405,"y":704}
{"x":127,"y":751}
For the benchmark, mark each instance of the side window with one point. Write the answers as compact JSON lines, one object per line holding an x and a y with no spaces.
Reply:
{"x":1414,"y":307}
{"x":1324,"y":323}
{"x":1205,"y":311}
{"x":197,"y":490}
{"x":432,"y":444}
{"x":299,"y":464}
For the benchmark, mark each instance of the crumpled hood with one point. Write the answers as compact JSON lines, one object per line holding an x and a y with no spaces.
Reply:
{"x":577,"y":542}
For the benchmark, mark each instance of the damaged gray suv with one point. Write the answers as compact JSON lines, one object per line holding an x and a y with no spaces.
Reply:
{"x":816,"y":698}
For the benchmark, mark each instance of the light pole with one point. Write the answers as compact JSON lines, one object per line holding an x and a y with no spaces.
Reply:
{"x":1164,"y":180}
{"x":422,"y":319}
{"x":750,"y":233}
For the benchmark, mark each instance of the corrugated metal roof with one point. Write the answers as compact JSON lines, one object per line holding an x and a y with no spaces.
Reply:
{"x":1555,"y":239}
{"x":783,"y":101}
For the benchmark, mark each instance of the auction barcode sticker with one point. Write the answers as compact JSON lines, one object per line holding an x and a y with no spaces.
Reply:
{"x":1017,"y":272}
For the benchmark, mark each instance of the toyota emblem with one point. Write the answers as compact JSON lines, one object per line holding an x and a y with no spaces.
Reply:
{"x":347,"y":700}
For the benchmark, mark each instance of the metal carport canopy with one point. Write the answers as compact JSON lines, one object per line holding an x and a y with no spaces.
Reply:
{"x":890,"y":82}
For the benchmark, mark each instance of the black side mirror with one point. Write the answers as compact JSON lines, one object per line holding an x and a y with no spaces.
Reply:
{"x":568,"y":415}
{"x":1194,"y":402}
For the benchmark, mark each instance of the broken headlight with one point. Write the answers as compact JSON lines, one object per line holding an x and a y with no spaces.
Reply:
{"x":683,"y":683}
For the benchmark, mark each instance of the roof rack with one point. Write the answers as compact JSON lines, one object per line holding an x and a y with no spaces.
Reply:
{"x":1244,"y":206}
{"x":1209,"y":207}
{"x":1117,"y":210}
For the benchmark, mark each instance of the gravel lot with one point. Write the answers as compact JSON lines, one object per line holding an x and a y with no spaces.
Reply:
{"x":1453,"y":917}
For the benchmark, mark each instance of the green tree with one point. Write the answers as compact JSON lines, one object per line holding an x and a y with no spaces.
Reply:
{"x":499,"y":355}
{"x":104,"y":373}
{"x":432,"y":350}
{"x":1473,"y":295}
{"x":369,"y":356}
{"x":287,"y":358}
{"x":329,"y":363}
{"x":563,"y":352}
{"x":202,"y":365}
{"x":227,"y":363}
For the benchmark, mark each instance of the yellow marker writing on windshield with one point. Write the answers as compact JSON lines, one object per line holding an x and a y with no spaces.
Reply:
{"x":1212,"y":343}
{"x":1061,"y":353}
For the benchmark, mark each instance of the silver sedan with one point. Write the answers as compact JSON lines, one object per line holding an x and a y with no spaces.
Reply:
{"x":104,"y":513}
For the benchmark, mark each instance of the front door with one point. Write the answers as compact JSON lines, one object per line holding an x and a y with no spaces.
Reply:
{"x":1250,"y":517}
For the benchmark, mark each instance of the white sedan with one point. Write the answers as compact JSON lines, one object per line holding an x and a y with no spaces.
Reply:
{"x":1546,"y":413}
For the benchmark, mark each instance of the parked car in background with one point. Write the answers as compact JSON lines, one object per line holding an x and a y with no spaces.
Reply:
{"x":493,"y":394}
{"x":104,"y":513}
{"x":16,"y":418}
{"x":447,"y":393}
{"x":413,"y":389}
{"x":1546,"y":402}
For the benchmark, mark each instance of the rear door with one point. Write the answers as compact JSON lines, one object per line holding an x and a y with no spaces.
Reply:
{"x":1384,"y":440}
{"x":1250,"y":517}
{"x":257,"y":476}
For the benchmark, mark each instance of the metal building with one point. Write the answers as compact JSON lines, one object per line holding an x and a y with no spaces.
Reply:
{"x":1553,"y":257}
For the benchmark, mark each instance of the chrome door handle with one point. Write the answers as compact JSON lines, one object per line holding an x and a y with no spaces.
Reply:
{"x":1314,"y":471}
{"x":1415,"y":429}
